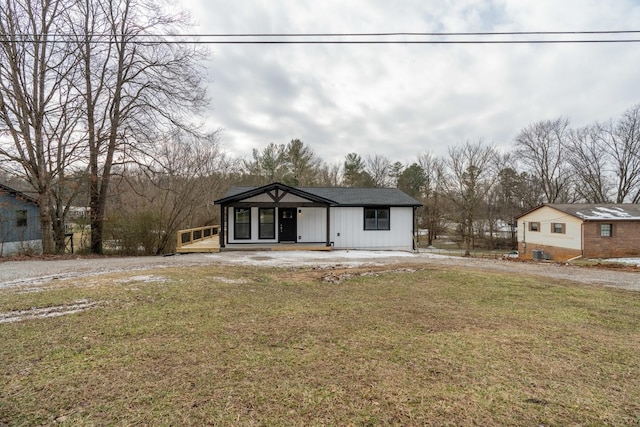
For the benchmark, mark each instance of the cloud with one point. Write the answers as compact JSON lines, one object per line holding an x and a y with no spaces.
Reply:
{"x":401,"y":100}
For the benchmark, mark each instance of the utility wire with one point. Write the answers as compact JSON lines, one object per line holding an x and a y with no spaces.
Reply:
{"x":330,"y":38}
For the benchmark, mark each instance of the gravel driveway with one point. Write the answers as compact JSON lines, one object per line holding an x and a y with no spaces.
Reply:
{"x":30,"y":273}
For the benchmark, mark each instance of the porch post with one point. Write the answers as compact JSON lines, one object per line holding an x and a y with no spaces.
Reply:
{"x":223,"y":209}
{"x":328,"y":225}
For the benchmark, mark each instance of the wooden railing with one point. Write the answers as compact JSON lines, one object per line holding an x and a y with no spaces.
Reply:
{"x":192,"y":235}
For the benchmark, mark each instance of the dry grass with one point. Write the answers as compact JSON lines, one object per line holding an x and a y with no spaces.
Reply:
{"x":231,"y":346}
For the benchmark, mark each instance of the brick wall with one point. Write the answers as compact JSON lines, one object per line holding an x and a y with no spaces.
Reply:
{"x":557,"y":253}
{"x":624,"y":240}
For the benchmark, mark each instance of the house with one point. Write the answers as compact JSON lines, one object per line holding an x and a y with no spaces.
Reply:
{"x":342,"y":218}
{"x":19,"y":222}
{"x":565,"y":231}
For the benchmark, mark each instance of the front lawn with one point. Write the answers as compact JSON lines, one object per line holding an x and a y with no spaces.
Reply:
{"x":256,"y":346}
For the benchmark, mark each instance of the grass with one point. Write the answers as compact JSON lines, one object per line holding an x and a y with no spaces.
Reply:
{"x":254,"y":346}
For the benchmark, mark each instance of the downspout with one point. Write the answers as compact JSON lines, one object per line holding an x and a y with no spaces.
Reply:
{"x":223,"y":209}
{"x":524,"y":237}
{"x":414,"y":233}
{"x":582,"y":238}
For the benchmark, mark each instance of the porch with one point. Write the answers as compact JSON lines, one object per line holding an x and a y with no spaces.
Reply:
{"x":206,"y":240}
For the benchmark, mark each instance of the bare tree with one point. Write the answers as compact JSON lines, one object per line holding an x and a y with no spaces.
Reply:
{"x":379,"y":169}
{"x":589,"y":164}
{"x":136,"y":86}
{"x":622,"y":143}
{"x":173,"y":192}
{"x":541,"y":147}
{"x":38,"y":106}
{"x":330,"y":174}
{"x":471,"y":175}
{"x":433,"y":170}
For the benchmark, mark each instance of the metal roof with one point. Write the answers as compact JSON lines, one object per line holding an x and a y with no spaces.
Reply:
{"x":335,"y":196}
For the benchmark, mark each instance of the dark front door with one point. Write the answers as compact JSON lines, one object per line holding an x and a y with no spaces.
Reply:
{"x":288,"y":224}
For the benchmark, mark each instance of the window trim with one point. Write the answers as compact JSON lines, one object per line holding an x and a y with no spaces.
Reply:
{"x":537,"y":225}
{"x":262,"y":225}
{"x":22,"y":218}
{"x":376,"y":209}
{"x":610,"y":231}
{"x":236,"y":211}
{"x":563,"y":228}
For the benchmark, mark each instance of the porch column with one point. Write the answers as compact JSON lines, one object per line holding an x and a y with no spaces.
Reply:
{"x":328,"y":225}
{"x":223,"y":209}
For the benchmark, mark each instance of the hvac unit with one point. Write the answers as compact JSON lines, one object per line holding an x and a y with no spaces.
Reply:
{"x":537,"y":254}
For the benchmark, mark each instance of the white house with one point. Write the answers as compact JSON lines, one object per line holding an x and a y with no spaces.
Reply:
{"x":342,"y":218}
{"x":564,"y":231}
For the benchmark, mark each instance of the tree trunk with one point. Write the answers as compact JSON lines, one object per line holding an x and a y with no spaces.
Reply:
{"x":45,"y":223}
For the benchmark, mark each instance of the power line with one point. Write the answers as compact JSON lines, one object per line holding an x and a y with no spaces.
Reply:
{"x":429,"y":34}
{"x":330,"y":38}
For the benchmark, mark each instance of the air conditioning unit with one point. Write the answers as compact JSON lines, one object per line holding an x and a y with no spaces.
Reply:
{"x":537,"y":254}
{"x":546,"y":256}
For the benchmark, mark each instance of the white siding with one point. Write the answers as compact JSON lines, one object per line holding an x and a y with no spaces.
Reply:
{"x":570,"y":239}
{"x":312,"y":225}
{"x":347,"y":230}
{"x":254,"y":229}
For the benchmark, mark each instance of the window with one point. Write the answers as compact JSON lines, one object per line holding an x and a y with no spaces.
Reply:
{"x":534,"y":226}
{"x":267,"y":224}
{"x":242,"y":223}
{"x":376,"y":218}
{"x":21,"y":218}
{"x":606,"y":230}
{"x":557,"y":227}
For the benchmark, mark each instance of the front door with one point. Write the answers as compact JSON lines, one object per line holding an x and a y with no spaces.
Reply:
{"x":288,"y":225}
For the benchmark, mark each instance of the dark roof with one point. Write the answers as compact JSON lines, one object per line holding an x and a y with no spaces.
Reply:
{"x":336,"y":196}
{"x":597,"y":211}
{"x":17,"y":193}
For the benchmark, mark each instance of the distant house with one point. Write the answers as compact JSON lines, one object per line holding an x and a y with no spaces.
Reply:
{"x":19,"y":222}
{"x":343,"y":218}
{"x":564,"y":231}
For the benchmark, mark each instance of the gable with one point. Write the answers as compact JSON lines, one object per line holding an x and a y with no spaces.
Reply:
{"x":269,"y":198}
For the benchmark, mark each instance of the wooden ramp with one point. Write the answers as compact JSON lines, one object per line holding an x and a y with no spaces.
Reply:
{"x":207,"y":240}
{"x":199,"y":240}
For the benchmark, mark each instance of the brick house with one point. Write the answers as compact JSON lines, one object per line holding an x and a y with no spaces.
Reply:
{"x":564,"y":231}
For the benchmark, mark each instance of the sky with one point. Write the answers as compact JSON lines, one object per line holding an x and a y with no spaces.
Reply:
{"x":402,"y":100}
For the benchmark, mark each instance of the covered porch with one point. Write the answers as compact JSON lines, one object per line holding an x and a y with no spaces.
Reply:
{"x":206,"y":240}
{"x":274,"y":217}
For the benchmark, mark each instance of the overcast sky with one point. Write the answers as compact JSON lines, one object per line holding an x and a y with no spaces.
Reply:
{"x":401,"y":100}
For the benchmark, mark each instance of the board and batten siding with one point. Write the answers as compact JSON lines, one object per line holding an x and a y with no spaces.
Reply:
{"x":347,"y":228}
{"x":348,"y":231}
{"x":312,"y":225}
